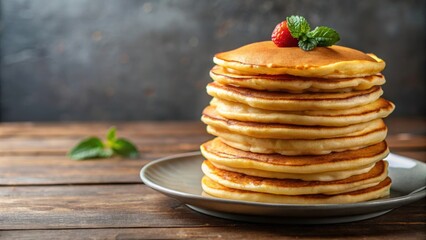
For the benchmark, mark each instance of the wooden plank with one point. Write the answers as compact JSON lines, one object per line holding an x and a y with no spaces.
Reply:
{"x":61,"y":145}
{"x":55,"y":170}
{"x":42,"y":170}
{"x":406,"y":141}
{"x":93,"y":206}
{"x":249,"y":231}
{"x":418,"y":155}
{"x":413,"y":125}
{"x":135,"y":205}
{"x":100,"y":129}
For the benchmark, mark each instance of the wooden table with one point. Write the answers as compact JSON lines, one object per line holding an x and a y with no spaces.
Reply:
{"x":44,"y":195}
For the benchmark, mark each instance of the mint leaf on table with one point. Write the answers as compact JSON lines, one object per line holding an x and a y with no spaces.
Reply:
{"x":89,"y":148}
{"x":111,"y":135}
{"x":93,"y":147}
{"x":321,"y":36}
{"x":125,"y":148}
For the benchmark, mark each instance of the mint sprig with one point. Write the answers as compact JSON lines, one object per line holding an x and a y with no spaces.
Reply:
{"x":298,"y":26}
{"x":325,"y":36}
{"x":319,"y":37}
{"x":308,"y":44}
{"x":93,"y":147}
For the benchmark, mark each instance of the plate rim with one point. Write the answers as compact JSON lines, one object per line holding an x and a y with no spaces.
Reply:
{"x":172,"y":193}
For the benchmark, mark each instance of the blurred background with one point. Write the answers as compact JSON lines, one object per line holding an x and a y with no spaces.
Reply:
{"x":89,"y":60}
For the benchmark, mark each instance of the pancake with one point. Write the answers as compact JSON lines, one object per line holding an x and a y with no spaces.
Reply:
{"x":325,"y":62}
{"x":357,"y":140}
{"x":293,"y":83}
{"x":294,"y":102}
{"x":215,"y":189}
{"x":324,"y":176}
{"x":380,"y":108}
{"x":281,"y":131}
{"x":219,"y":153}
{"x":293,"y":186}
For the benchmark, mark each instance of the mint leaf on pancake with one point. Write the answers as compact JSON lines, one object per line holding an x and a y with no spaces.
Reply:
{"x":321,"y":36}
{"x":298,"y":26}
{"x":325,"y":36}
{"x":308,"y":44}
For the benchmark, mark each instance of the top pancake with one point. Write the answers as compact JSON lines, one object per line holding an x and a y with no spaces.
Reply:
{"x":326,"y":62}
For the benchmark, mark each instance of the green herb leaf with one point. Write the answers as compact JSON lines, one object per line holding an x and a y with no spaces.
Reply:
{"x":93,"y":147}
{"x":125,"y":148}
{"x":89,"y":148}
{"x":325,"y":36}
{"x":298,"y":26}
{"x":308,"y":44}
{"x":321,"y":36}
{"x":111,"y":136}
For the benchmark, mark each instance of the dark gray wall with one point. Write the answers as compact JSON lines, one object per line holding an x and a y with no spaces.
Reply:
{"x":149,"y":60}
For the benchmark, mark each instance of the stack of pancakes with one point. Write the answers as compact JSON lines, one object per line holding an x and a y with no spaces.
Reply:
{"x":296,"y":126}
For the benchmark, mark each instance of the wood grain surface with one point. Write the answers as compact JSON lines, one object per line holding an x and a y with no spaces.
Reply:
{"x":45,"y":195}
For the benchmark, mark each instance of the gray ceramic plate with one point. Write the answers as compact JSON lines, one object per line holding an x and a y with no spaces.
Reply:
{"x":179,"y":177}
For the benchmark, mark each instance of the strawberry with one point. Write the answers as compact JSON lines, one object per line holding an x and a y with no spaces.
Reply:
{"x":281,"y":36}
